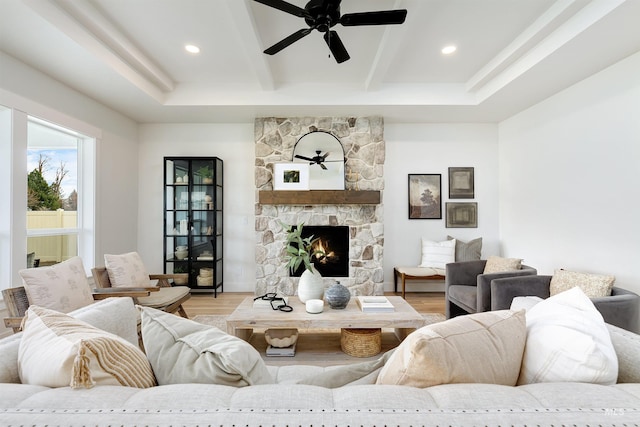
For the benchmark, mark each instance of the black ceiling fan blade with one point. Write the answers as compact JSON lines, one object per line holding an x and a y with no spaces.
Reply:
{"x":285,"y":7}
{"x":297,"y":156}
{"x":383,"y":17}
{"x":322,"y":166}
{"x":287,"y":41}
{"x":335,"y":45}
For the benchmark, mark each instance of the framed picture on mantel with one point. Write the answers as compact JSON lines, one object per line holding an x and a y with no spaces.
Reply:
{"x":290,"y":176}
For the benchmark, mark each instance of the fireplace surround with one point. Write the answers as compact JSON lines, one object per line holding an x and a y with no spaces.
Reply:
{"x":364,"y":147}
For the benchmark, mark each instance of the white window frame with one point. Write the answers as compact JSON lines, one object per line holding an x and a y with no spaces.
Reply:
{"x":13,"y":172}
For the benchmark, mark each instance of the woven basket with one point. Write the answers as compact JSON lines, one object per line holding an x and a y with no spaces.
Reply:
{"x":361,"y":342}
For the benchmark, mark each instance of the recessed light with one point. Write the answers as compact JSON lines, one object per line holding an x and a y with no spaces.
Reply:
{"x":192,"y":48}
{"x":448,"y":50}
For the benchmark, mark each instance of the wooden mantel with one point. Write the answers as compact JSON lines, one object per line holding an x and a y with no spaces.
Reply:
{"x":319,"y":197}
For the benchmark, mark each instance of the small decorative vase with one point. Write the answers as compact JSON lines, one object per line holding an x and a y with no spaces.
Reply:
{"x":337,"y":296}
{"x":310,"y":286}
{"x":181,"y":252}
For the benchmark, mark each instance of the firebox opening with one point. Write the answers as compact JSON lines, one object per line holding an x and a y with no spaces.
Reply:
{"x":334,"y":242}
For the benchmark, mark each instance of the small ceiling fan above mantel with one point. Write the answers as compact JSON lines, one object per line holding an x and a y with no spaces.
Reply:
{"x":318,"y":159}
{"x":322,"y":15}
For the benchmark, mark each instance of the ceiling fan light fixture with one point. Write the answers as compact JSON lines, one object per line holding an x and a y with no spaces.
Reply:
{"x":191,"y":48}
{"x":448,"y":50}
{"x":322,"y":15}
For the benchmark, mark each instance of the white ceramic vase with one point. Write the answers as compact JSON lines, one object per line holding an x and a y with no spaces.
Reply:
{"x":310,"y":286}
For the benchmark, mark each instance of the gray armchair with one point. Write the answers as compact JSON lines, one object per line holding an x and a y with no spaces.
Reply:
{"x":621,"y":309}
{"x":468,"y":289}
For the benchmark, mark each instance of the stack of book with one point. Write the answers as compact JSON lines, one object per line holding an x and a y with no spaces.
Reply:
{"x":374,"y":304}
{"x":282,"y":351}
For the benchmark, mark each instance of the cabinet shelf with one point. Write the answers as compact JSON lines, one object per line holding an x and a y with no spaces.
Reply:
{"x":319,"y":197}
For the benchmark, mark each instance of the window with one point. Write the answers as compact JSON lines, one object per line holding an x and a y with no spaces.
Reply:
{"x":54,"y":196}
{"x":27,"y":127}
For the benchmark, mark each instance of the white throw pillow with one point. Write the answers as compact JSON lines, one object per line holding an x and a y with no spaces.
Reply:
{"x":567,"y":340}
{"x":477,"y":348}
{"x":57,"y":350}
{"x":438,"y":254}
{"x":127,"y":270}
{"x":183,"y":351}
{"x":524,"y":303}
{"x":63,"y":287}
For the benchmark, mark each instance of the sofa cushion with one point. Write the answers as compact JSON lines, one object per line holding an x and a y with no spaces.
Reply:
{"x":437,"y":254}
{"x":468,"y":251}
{"x":183,"y":351}
{"x":126,"y":270}
{"x":496,"y":264}
{"x":593,"y":285}
{"x":57,"y":350}
{"x":567,"y":340}
{"x":63,"y":287}
{"x":478,"y":348}
{"x":115,"y":315}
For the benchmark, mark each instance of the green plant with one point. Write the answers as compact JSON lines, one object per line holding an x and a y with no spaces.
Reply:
{"x":205,"y":172}
{"x":180,"y":269}
{"x":299,"y":250}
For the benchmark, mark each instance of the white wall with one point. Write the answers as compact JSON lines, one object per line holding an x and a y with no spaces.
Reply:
{"x":569,"y":176}
{"x":117,"y":153}
{"x":234,"y":144}
{"x":433,"y":148}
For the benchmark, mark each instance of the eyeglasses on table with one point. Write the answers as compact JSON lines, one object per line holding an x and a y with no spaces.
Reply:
{"x":277,"y":303}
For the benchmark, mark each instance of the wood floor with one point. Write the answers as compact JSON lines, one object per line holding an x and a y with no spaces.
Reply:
{"x":226,"y":302}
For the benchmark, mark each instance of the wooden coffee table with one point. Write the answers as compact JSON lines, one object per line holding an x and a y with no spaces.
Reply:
{"x":245,"y":318}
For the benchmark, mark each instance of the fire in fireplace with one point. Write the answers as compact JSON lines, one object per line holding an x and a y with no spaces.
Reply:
{"x":333,"y":241}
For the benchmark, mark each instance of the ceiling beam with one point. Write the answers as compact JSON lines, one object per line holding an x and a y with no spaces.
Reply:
{"x":392,"y":38}
{"x":104,"y":42}
{"x":563,"y":22}
{"x":248,"y":34}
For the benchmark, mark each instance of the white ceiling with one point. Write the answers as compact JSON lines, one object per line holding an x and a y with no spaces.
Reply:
{"x":128,"y":54}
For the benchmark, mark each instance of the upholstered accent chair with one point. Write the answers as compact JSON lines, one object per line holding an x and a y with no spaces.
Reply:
{"x":468,"y":288}
{"x":621,"y":309}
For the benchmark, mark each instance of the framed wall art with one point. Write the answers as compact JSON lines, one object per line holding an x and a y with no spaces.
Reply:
{"x":290,"y":176}
{"x":461,"y":183}
{"x":462,"y":215}
{"x":424,"y":196}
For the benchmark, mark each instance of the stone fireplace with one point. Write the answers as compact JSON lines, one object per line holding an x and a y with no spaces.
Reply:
{"x":364,"y":147}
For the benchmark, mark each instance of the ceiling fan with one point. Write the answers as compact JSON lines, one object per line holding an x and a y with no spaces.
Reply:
{"x":322,"y":15}
{"x":317,"y":159}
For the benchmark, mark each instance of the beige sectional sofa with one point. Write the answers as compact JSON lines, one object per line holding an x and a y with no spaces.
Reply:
{"x":293,"y":400}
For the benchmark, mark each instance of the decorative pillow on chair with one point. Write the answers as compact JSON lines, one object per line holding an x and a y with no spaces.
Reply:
{"x":57,"y":350}
{"x":477,"y":348}
{"x":63,"y":287}
{"x":496,"y":264}
{"x":469,"y":251}
{"x":593,"y":285}
{"x":183,"y":351}
{"x":438,"y":254}
{"x":567,"y":340}
{"x":127,"y":270}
